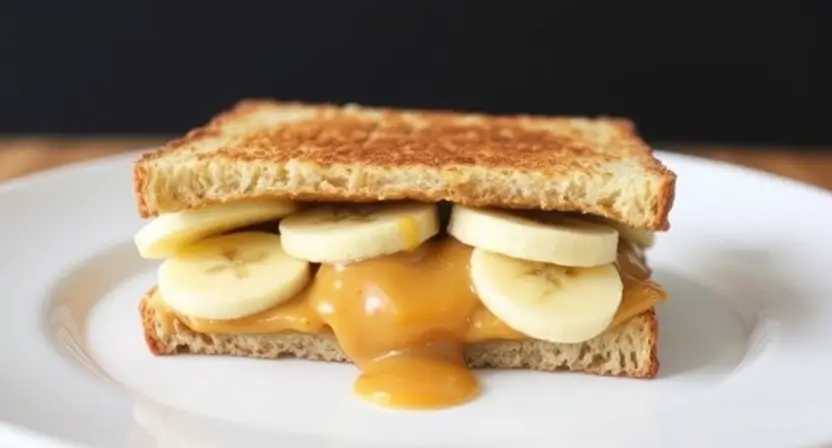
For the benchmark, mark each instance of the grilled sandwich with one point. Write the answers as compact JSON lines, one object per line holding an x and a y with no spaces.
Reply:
{"x":418,"y":245}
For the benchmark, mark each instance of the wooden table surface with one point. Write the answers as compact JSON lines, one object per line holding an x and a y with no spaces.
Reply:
{"x":23,"y":155}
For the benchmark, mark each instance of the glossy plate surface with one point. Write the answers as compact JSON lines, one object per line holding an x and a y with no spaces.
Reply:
{"x":745,"y":340}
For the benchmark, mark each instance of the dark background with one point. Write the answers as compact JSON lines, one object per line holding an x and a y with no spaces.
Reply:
{"x":739,"y":72}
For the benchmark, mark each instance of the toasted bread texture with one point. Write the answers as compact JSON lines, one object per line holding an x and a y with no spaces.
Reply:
{"x":318,"y":152}
{"x":631,"y":349}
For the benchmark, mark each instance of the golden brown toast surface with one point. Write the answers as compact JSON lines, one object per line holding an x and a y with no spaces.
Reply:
{"x":332,"y":153}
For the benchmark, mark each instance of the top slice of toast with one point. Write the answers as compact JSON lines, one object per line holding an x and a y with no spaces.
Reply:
{"x":321,"y":152}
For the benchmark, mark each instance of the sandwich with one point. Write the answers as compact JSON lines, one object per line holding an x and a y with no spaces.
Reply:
{"x":417,"y":245}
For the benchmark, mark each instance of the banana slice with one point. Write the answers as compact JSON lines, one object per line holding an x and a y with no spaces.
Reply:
{"x":545,"y":301}
{"x":231,"y":276}
{"x":642,"y":237}
{"x":544,"y":237}
{"x":347,"y":233}
{"x":168,"y":233}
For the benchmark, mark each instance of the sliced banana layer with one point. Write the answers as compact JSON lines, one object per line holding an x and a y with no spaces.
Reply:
{"x":332,"y":234}
{"x":168,"y":233}
{"x":551,"y":239}
{"x":642,"y":237}
{"x":231,"y":276}
{"x":544,"y":301}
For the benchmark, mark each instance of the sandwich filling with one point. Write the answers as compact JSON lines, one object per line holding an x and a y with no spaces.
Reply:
{"x":400,"y":291}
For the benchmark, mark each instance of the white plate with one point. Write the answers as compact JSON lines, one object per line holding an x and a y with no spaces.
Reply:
{"x":745,"y":344}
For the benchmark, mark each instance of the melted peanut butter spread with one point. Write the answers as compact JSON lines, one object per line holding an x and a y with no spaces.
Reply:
{"x":403,"y":319}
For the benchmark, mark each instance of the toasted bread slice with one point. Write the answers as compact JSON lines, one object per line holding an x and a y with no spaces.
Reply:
{"x":351,"y":153}
{"x":631,"y":349}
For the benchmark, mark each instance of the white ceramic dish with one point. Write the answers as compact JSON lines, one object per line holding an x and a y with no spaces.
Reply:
{"x":746,"y":338}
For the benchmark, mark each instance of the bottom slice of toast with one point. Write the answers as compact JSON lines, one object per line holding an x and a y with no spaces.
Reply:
{"x":630,"y":349}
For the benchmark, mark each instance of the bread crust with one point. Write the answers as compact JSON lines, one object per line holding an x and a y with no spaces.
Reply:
{"x":153,"y":338}
{"x":324,"y":152}
{"x":631,"y":350}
